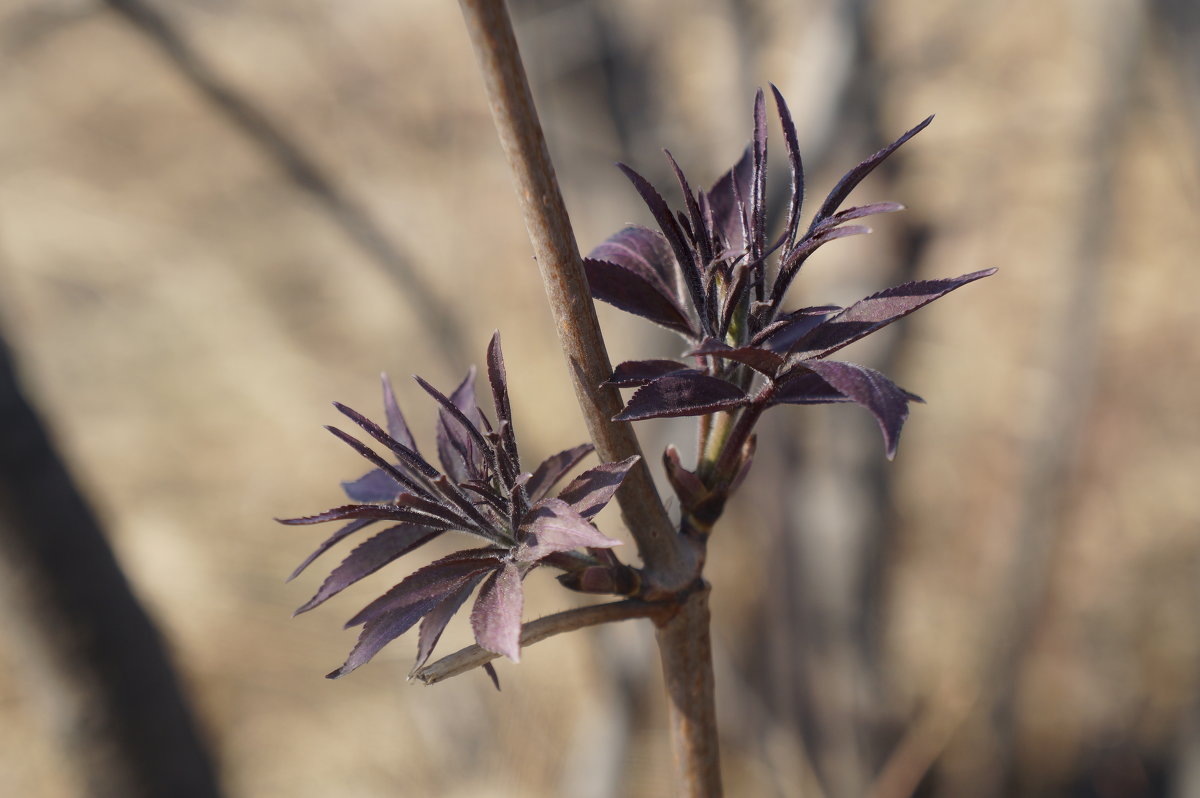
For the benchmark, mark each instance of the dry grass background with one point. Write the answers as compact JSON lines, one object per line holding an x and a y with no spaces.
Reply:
{"x":184,"y":314}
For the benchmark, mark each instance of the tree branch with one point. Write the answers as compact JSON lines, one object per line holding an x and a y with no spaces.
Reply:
{"x":670,"y":566}
{"x":672,"y":562}
{"x":536,"y":631}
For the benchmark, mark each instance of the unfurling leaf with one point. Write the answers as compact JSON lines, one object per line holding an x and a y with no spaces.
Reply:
{"x":397,"y":427}
{"x":461,"y":446}
{"x":499,"y":383}
{"x":726,"y":199}
{"x":790,"y":140}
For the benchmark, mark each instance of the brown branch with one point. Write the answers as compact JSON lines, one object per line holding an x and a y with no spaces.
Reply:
{"x":669,"y":565}
{"x":672,"y":563}
{"x":473,"y":657}
{"x":685,"y":648}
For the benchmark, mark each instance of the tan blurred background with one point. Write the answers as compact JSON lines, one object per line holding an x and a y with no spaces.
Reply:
{"x":218,"y":216}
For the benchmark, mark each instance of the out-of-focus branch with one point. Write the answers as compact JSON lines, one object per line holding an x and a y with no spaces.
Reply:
{"x":90,"y":648}
{"x":473,"y":657}
{"x":302,"y":170}
{"x":1060,"y":421}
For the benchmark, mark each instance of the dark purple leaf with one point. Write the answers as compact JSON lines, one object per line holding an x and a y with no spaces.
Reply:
{"x":759,"y":359}
{"x":373,"y":512}
{"x":499,"y":383}
{"x":397,"y":427}
{"x":795,"y":258}
{"x":684,"y":393}
{"x":635,"y":373}
{"x":787,"y":329}
{"x":726,"y":198}
{"x":698,"y":227}
{"x":858,"y":173}
{"x":859,"y":211}
{"x":464,"y":429}
{"x":397,"y":477}
{"x":554,"y":468}
{"x":407,"y":456}
{"x":792,"y":142}
{"x":670,"y":228}
{"x":590,"y":491}
{"x":394,"y":613}
{"x":806,"y":388}
{"x":490,"y":670}
{"x":486,"y":493}
{"x":369,"y":556}
{"x":794,"y":330}
{"x":886,"y":401}
{"x":461,"y":445}
{"x":875,"y":312}
{"x":758,"y":197}
{"x":335,"y":538}
{"x":630,"y":291}
{"x":436,"y":580}
{"x":645,"y":252}
{"x":434,"y":623}
{"x":373,"y":487}
{"x":496,"y":617}
{"x":551,"y":526}
{"x":498,"y":379}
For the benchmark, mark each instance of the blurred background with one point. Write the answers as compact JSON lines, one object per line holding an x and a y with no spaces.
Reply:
{"x":218,"y":216}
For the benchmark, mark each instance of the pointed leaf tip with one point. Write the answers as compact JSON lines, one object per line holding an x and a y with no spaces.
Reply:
{"x":856,"y":175}
{"x":490,"y":670}
{"x":885,"y":400}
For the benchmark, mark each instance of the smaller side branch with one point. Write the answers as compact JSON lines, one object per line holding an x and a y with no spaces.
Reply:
{"x":535,"y":631}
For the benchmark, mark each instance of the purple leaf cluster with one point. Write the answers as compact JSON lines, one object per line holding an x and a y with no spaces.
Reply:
{"x":711,"y":274}
{"x":480,"y":489}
